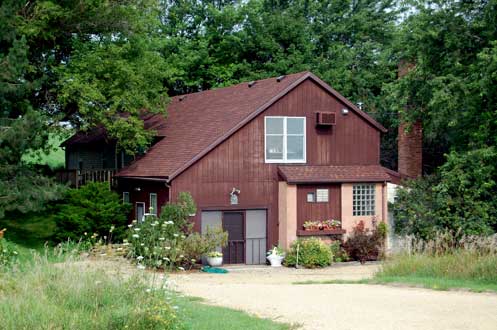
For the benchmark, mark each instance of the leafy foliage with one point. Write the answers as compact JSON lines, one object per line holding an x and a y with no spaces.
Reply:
{"x":365,"y":244}
{"x":92,"y":209}
{"x":312,"y":253}
{"x":168,"y":241}
{"x":8,"y":253}
{"x":338,"y":251}
{"x":460,"y":198}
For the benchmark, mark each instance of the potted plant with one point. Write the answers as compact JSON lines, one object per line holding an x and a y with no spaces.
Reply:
{"x":215,"y":258}
{"x":311,"y":225}
{"x":275,"y":256}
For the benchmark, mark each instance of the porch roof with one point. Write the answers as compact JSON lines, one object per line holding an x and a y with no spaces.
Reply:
{"x":329,"y":173}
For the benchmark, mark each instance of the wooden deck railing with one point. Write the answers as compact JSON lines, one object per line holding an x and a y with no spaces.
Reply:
{"x":78,"y":178}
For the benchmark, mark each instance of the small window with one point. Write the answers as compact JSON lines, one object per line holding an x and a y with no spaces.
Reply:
{"x":125,"y":197}
{"x":310,"y":197}
{"x":322,"y":195}
{"x":153,"y":204}
{"x":363,"y":199}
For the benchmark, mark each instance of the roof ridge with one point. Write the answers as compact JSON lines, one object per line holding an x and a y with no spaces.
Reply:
{"x":216,"y":89}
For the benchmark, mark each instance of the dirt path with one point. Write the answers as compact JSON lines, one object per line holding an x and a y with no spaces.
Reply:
{"x":270,"y":293}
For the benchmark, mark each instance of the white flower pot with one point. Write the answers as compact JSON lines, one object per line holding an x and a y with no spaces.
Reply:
{"x":275,"y":260}
{"x":215,"y":261}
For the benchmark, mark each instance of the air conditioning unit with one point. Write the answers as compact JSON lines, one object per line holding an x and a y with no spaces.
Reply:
{"x":325,"y":119}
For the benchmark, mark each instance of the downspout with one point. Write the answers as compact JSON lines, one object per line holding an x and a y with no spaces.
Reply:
{"x":383,"y":202}
{"x":168,"y":186}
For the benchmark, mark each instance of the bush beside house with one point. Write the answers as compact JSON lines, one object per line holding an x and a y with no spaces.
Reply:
{"x":92,"y":209}
{"x":309,"y":253}
{"x":168,"y":241}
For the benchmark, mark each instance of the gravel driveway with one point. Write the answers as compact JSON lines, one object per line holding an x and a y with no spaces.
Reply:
{"x":269,"y":293}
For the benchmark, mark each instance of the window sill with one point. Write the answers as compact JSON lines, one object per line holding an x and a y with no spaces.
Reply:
{"x":320,"y":232}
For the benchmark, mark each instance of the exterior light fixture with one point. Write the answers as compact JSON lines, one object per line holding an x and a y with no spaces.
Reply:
{"x":345,"y":111}
{"x":234,"y":196}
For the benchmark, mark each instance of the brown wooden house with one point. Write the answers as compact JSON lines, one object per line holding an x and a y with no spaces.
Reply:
{"x":260,"y":159}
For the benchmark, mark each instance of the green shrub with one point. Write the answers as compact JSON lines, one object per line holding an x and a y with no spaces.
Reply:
{"x":338,"y":252}
{"x":72,"y":296}
{"x":93,"y":208}
{"x":8,"y":254}
{"x":365,"y":244}
{"x":168,"y":241}
{"x":460,"y":197}
{"x":312,"y":253}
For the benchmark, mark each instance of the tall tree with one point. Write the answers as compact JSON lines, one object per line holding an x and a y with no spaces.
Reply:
{"x":90,"y":63}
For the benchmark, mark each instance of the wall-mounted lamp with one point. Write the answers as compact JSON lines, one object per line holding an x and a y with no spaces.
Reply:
{"x":138,"y":189}
{"x":345,"y":111}
{"x":234,"y":196}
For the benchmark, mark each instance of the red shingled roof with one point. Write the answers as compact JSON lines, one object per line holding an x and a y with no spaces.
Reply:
{"x":198,"y":122}
{"x":327,"y":173}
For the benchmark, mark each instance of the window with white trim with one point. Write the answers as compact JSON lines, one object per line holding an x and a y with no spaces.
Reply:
{"x":284,"y":139}
{"x":310,"y":197}
{"x":363,"y":199}
{"x":322,"y":195}
{"x":153,"y":203}
{"x":125,"y":197}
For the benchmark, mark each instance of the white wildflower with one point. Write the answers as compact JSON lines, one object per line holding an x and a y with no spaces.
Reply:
{"x":176,"y":235}
{"x":140,"y":267}
{"x":139,"y":257}
{"x":130,"y":226}
{"x":181,"y":268}
{"x":136,"y":235}
{"x":167,"y":247}
{"x":161,"y":238}
{"x":148,"y":290}
{"x":137,"y":229}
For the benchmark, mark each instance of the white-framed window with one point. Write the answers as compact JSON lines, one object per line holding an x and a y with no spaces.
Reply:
{"x":310,"y":197}
{"x":284,"y":140}
{"x":125,"y":197}
{"x":322,"y":195}
{"x":363,"y":199}
{"x":153,"y":203}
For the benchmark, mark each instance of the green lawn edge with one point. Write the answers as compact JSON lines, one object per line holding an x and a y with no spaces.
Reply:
{"x":199,"y":315}
{"x":442,"y":284}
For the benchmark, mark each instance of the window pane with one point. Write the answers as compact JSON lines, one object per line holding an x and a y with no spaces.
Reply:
{"x":126,"y":197}
{"x":153,"y":204}
{"x":295,"y":125}
{"x":274,"y":125}
{"x":274,"y":147}
{"x":322,"y":195}
{"x":295,"y":147}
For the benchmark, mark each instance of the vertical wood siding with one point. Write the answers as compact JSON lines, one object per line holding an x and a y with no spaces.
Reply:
{"x":318,"y":211}
{"x":143,"y":196}
{"x":239,"y":161}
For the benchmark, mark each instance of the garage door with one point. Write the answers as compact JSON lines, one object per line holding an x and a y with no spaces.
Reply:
{"x":246,"y":231}
{"x":255,"y":246}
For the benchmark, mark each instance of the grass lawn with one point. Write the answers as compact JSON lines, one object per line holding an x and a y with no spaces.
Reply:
{"x":55,"y":158}
{"x":424,"y":282}
{"x":467,"y":270}
{"x":199,"y":316}
{"x":28,"y":231}
{"x":64,"y":298}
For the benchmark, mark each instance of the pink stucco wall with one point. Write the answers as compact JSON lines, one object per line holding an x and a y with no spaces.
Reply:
{"x":287,"y":217}
{"x":381,"y":205}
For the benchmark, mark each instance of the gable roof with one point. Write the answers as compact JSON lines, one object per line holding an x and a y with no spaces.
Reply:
{"x":332,"y":173}
{"x":198,"y":122}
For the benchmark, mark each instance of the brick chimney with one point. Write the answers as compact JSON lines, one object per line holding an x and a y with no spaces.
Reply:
{"x":410,"y":149}
{"x":410,"y":139}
